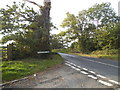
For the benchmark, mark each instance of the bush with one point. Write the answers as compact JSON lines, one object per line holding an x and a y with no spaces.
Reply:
{"x":64,"y":50}
{"x":105,"y":52}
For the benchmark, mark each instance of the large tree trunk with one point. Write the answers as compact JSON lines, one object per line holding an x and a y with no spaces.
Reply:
{"x":45,"y":11}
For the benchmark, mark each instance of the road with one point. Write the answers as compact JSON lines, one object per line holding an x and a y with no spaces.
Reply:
{"x":76,"y":72}
{"x":103,"y":67}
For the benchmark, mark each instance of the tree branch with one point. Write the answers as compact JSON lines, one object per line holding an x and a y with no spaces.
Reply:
{"x":34,"y":3}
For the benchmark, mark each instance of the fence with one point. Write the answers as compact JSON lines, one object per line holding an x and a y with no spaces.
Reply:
{"x":6,"y":52}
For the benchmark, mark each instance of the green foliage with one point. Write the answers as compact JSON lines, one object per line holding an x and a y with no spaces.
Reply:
{"x":65,"y":50}
{"x":105,"y":52}
{"x":108,"y":38}
{"x":26,"y":27}
{"x":112,"y":57}
{"x":16,"y":17}
{"x":61,"y":50}
{"x":17,"y":69}
{"x":115,"y":36}
{"x":19,"y":25}
{"x":102,"y":13}
{"x":56,"y":42}
{"x":79,"y":29}
{"x":87,"y":35}
{"x":95,"y":54}
{"x":75,"y":46}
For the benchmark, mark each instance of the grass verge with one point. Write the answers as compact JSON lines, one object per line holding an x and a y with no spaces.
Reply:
{"x":104,"y":54}
{"x":112,"y":57}
{"x":12,"y":70}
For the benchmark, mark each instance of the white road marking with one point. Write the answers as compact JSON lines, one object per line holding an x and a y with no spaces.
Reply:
{"x":67,"y":64}
{"x":78,"y":66}
{"x":92,"y":72}
{"x":73,"y":67}
{"x":103,"y":63}
{"x":92,"y":76}
{"x":101,"y":76}
{"x":84,"y":69}
{"x":83,"y":72}
{"x":77,"y":69}
{"x":105,"y":83}
{"x":71,"y":63}
{"x":114,"y":82}
{"x":67,"y":61}
{"x":99,"y":62}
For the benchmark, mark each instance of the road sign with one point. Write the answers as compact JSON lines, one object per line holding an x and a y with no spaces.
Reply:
{"x":43,"y":52}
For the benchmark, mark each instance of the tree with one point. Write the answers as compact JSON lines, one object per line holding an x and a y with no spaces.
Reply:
{"x":45,"y":13}
{"x":78,"y":28}
{"x":16,"y":17}
{"x":116,"y":35}
{"x":25,"y":26}
{"x":102,"y":13}
{"x":56,"y":42}
{"x":90,"y":35}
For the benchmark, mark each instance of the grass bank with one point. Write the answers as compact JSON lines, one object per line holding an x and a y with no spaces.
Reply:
{"x":105,"y":54}
{"x":112,"y":57}
{"x":12,"y":70}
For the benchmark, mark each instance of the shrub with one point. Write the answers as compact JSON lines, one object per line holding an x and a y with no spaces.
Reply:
{"x":105,"y":52}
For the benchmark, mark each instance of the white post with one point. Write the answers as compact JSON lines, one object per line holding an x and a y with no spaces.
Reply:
{"x":47,"y":1}
{"x":119,"y":8}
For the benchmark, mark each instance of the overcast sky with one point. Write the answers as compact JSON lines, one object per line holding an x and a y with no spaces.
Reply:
{"x":60,"y":7}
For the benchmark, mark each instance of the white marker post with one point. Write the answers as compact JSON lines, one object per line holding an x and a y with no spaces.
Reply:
{"x":47,"y":1}
{"x":119,"y":8}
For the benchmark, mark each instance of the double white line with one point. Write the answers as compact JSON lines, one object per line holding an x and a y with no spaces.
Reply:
{"x":83,"y":71}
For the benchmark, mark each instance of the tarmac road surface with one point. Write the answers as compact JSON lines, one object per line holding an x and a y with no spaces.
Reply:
{"x":104,"y":67}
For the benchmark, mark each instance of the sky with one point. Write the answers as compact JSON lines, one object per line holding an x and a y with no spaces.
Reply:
{"x":61,"y":7}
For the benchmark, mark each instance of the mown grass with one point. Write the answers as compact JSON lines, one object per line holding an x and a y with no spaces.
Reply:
{"x":17,"y":69}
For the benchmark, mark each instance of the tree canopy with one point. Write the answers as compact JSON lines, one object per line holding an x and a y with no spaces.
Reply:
{"x":92,"y":29}
{"x":25,"y":26}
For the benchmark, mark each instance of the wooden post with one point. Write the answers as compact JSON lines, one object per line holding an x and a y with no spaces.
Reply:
{"x":0,"y":53}
{"x":4,"y":53}
{"x":9,"y":51}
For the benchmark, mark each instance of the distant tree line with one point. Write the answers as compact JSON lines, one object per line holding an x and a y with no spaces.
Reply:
{"x":97,"y":28}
